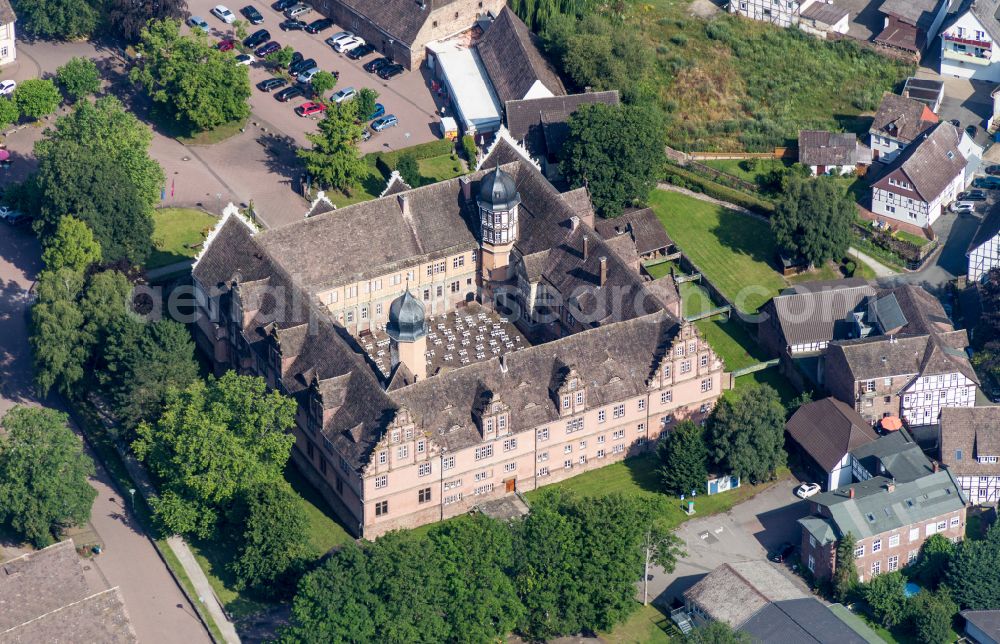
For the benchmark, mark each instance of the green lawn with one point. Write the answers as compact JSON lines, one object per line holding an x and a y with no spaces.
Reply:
{"x":731,"y":341}
{"x":325,"y":530}
{"x":215,"y":135}
{"x":432,"y":170}
{"x":647,"y":625}
{"x":828,"y":271}
{"x":916,"y":240}
{"x":733,"y":250}
{"x":734,"y":167}
{"x":439,"y":168}
{"x":177,"y":234}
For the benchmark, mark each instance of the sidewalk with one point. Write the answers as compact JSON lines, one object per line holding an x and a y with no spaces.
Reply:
{"x":881,"y":270}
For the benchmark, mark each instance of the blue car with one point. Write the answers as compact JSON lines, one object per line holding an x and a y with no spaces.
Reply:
{"x":385,"y":123}
{"x":379,"y":111}
{"x":988,"y":183}
{"x":197,"y":22}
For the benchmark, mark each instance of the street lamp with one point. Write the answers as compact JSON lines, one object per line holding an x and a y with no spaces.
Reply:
{"x":131,"y":492}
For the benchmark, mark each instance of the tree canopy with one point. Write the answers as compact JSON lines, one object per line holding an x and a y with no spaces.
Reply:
{"x":79,"y":77}
{"x":56,"y":339}
{"x":972,"y":574}
{"x":43,"y":475}
{"x":886,"y":596}
{"x":71,"y":246}
{"x":813,"y":218}
{"x":334,"y":160}
{"x":36,"y":97}
{"x":129,"y":17}
{"x":683,"y":458}
{"x":617,"y":152}
{"x":746,"y":433}
{"x":845,"y":575}
{"x":189,"y":79}
{"x":56,"y":19}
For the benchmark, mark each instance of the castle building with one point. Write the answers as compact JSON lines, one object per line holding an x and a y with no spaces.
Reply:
{"x":453,"y":344}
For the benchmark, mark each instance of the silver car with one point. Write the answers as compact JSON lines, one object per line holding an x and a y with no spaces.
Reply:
{"x":297,"y":10}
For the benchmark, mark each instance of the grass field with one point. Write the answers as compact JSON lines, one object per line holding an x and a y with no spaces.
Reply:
{"x":177,"y":234}
{"x":432,"y":170}
{"x":733,"y":250}
{"x":647,"y":625}
{"x":735,"y":167}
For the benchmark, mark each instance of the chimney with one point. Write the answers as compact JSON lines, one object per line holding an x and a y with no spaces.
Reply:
{"x":404,"y":205}
{"x":466,"y":184}
{"x":586,"y":247}
{"x":574,"y":221}
{"x":890,"y":487}
{"x":850,"y":492}
{"x":604,"y":270}
{"x":934,"y":466}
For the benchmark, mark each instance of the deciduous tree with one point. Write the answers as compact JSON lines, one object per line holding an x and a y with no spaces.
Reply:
{"x":334,"y":160}
{"x":56,"y":19}
{"x":746,"y":433}
{"x":408,"y":169}
{"x":282,"y":57}
{"x":813,"y":219}
{"x":886,"y":596}
{"x":8,"y":112}
{"x":43,"y":475}
{"x":683,"y":458}
{"x":36,"y":97}
{"x":972,"y":574}
{"x":715,"y":633}
{"x":935,"y":555}
{"x":845,"y":573}
{"x":323,"y":82}
{"x":932,"y":615}
{"x":617,"y":152}
{"x":129,"y":17}
{"x":57,"y":341}
{"x":72,"y":246}
{"x":79,"y":77}
{"x":364,"y":103}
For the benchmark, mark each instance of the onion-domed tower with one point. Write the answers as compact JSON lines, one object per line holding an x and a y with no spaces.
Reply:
{"x":407,"y":331}
{"x":498,"y":203}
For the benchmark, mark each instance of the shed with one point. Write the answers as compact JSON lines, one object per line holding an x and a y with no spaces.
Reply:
{"x":472,"y":97}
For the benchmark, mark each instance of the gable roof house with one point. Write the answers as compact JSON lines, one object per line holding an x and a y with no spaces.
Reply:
{"x":402,"y":29}
{"x":833,"y":153}
{"x":906,"y":359}
{"x":982,"y":626}
{"x":922,"y":180}
{"x":515,"y":65}
{"x":404,"y":350}
{"x":890,"y":519}
{"x":984,"y":247}
{"x":811,"y":16}
{"x":970,"y":449}
{"x":827,"y":431}
{"x":969,"y":42}
{"x":898,"y":122}
{"x":911,"y":25}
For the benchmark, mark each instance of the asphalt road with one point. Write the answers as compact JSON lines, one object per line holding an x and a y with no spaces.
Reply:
{"x":156,"y":605}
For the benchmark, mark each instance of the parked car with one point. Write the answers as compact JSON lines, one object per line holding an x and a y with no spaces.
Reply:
{"x":337,"y":36}
{"x":972,"y":195}
{"x":993,"y":170}
{"x":295,"y":11}
{"x":361,"y":52}
{"x":297,"y":68}
{"x":366,"y":135}
{"x":307,"y":75}
{"x":292,"y":25}
{"x":379,"y":112}
{"x":345,"y":94}
{"x":257,"y":38}
{"x":225,"y":45}
{"x":385,"y":123}
{"x":962,"y":207}
{"x":390,"y":71}
{"x":271,"y":84}
{"x":13,"y":217}
{"x":197,"y":22}
{"x":267,"y":48}
{"x":317,"y":26}
{"x":289,"y":93}
{"x":807,"y":490}
{"x":972,"y":131}
{"x":296,"y":58}
{"x":223,"y":13}
{"x":347,"y":44}
{"x":281,"y":5}
{"x":252,"y":15}
{"x":7,"y":87}
{"x":987,"y":183}
{"x":245,"y":59}
{"x":308,"y":109}
{"x":373,"y":66}
{"x":782,"y":552}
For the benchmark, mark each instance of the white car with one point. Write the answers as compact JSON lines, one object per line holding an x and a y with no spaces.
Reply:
{"x":7,"y":87}
{"x":963,"y":207}
{"x":343,"y":95}
{"x":307,"y":75}
{"x":807,"y":490}
{"x":337,"y":36}
{"x":347,"y":44}
{"x":245,"y":59}
{"x":223,"y":13}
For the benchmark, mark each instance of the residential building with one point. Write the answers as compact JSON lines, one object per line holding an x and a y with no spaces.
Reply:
{"x":436,"y":403}
{"x":922,"y":180}
{"x":827,"y":431}
{"x":906,"y":360}
{"x":822,"y":18}
{"x":984,"y":247}
{"x":889,"y":519}
{"x":46,"y":598}
{"x":982,"y":626}
{"x":898,"y":122}
{"x":402,"y":29}
{"x":642,"y":227}
{"x":8,"y":46}
{"x":895,"y":454}
{"x":540,"y":124}
{"x":970,"y":449}
{"x":516,"y":67}
{"x":833,"y":153}
{"x":756,"y":598}
{"x":967,"y":42}
{"x":928,"y":91}
{"x":911,"y":25}
{"x":812,"y":16}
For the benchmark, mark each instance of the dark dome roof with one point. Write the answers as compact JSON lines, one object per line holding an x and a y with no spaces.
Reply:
{"x":497,"y":191}
{"x":406,"y":319}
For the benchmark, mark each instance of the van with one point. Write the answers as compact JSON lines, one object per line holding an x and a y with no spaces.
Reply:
{"x":297,"y":10}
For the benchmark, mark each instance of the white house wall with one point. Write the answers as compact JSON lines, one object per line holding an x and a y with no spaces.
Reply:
{"x":983,"y":258}
{"x":980,"y":489}
{"x":538,"y":90}
{"x":923,"y":399}
{"x":966,"y":69}
{"x":783,"y":13}
{"x":885,"y":148}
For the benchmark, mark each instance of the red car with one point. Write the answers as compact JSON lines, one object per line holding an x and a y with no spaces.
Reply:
{"x":308,"y":109}
{"x":225,"y":45}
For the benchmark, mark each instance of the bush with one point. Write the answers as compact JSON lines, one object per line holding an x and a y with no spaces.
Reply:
{"x":386,"y":162}
{"x":469,"y":149}
{"x":79,"y":77}
{"x":409,"y":169}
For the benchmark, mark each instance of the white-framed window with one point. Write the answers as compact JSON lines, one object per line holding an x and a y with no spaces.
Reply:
{"x":618,"y":449}
{"x":876,"y":545}
{"x":642,"y":404}
{"x":510,"y":467}
{"x":641,"y":428}
{"x":914,"y":534}
{"x":876,"y":567}
{"x":451,"y":485}
{"x":600,"y":453}
{"x":383,"y":457}
{"x":583,"y":444}
{"x":381,"y":481}
{"x":893,"y":540}
{"x":859,"y":551}
{"x":568,"y":463}
{"x":574,"y":425}
{"x":703,"y":360}
{"x":583,"y":459}
{"x":543,"y":434}
{"x":812,"y":563}
{"x":942,"y":526}
{"x":484,"y":451}
{"x":510,"y":444}
{"x":424,"y":495}
{"x":424,"y":469}
{"x":893,"y":563}
{"x":421,"y":446}
{"x":619,"y":411}
{"x":706,"y":385}
{"x":458,"y":262}
{"x":911,"y":556}
{"x":403,"y":451}
{"x":812,"y":541}
{"x":618,"y":434}
{"x":600,"y":439}
{"x":482,"y":476}
{"x":543,"y":456}
{"x":394,"y":436}
{"x":579,"y":398}
{"x":929,"y":530}
{"x":567,"y":449}
{"x":685,"y":366}
{"x":543,"y":471}
{"x":666,"y":396}
{"x":448,"y":462}
{"x":502,"y":421}
{"x":869,"y":386}
{"x":954,"y":522}
{"x":602,"y":415}
{"x":483,"y":489}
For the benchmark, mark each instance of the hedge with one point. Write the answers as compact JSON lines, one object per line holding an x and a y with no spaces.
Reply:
{"x":687,"y":179}
{"x":386,"y":161}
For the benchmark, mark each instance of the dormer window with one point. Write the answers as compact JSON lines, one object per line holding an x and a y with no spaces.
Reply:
{"x":489,"y":425}
{"x":565,"y":402}
{"x":579,"y":398}
{"x":502,"y":422}
{"x":679,"y":351}
{"x":988,"y":459}
{"x":666,"y":371}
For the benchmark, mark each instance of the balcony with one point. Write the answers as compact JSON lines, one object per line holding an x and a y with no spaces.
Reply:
{"x":983,"y":57}
{"x":982,"y":44}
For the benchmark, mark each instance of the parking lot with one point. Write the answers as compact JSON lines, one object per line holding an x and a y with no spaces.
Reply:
{"x":408,"y":95}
